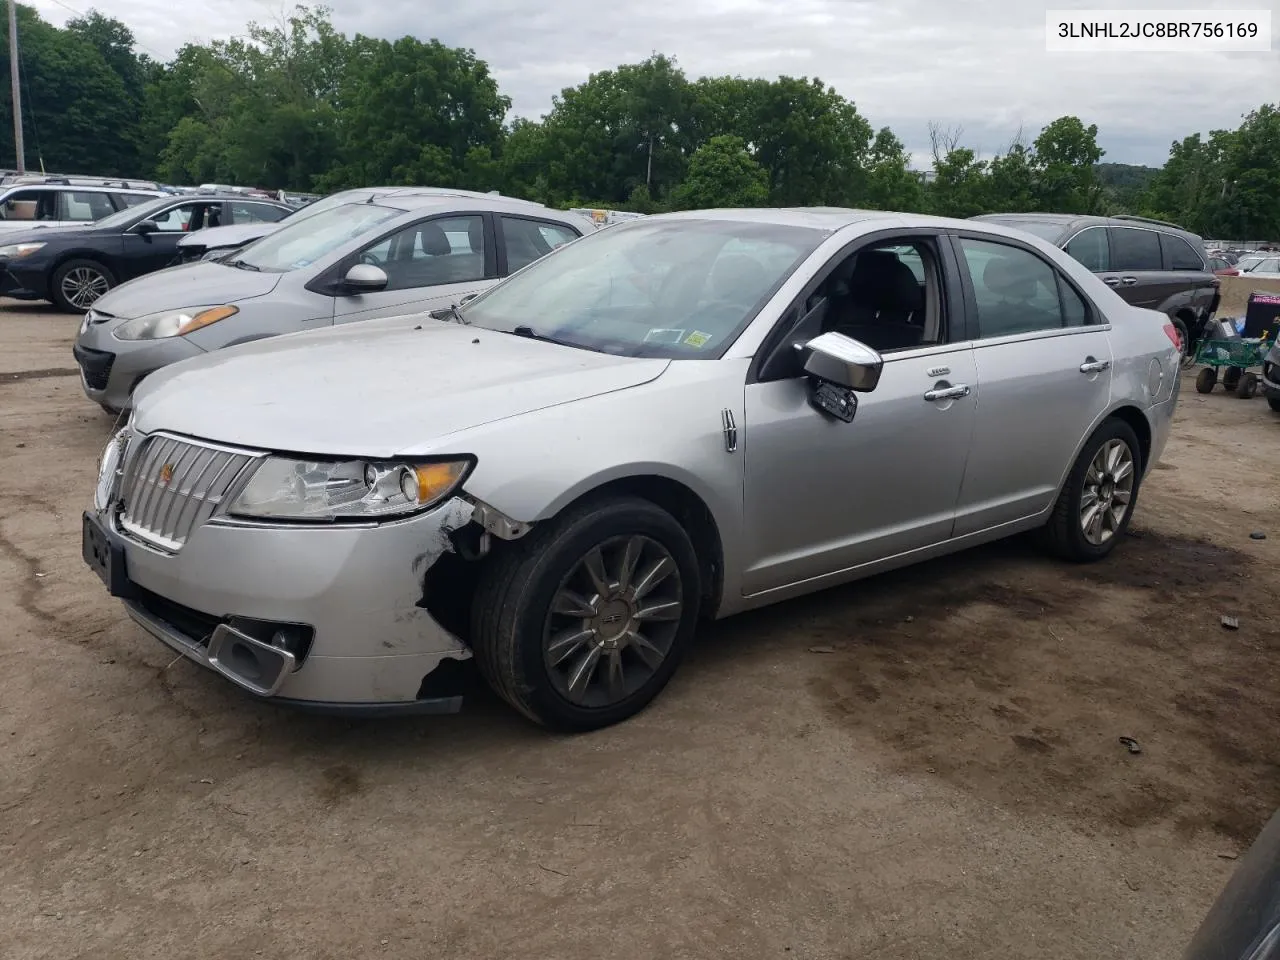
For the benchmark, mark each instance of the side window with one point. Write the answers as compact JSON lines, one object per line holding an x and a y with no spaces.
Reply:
{"x":1178,"y":254}
{"x":430,"y":254}
{"x":175,"y":219}
{"x":1017,"y":292}
{"x":887,"y":296}
{"x":527,"y":240}
{"x":1074,"y":311}
{"x":74,"y":205}
{"x":130,"y":199}
{"x":1090,"y":247}
{"x":242,"y":212}
{"x":31,"y":205}
{"x":1133,"y":249}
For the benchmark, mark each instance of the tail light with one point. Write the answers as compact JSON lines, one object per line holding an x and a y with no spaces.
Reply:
{"x":1172,"y":333}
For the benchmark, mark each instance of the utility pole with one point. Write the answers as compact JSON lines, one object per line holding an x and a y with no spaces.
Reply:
{"x":13,"y":81}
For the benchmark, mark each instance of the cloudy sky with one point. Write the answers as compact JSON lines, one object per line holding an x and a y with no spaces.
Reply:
{"x":980,"y":65}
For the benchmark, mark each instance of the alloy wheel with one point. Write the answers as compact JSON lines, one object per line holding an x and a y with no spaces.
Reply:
{"x":84,"y":285}
{"x":1108,"y":491}
{"x":613,"y":620}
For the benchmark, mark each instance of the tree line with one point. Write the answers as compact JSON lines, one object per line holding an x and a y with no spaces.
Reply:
{"x":299,"y":105}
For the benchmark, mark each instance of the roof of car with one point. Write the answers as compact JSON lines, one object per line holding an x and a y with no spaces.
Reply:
{"x":416,"y":200}
{"x":821,"y":218}
{"x":80,"y":188}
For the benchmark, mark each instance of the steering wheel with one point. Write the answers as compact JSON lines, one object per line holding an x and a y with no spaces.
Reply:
{"x":719,"y":311}
{"x":370,"y":259}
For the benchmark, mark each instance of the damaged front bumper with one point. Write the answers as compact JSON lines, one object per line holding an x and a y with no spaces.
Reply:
{"x":331,"y":618}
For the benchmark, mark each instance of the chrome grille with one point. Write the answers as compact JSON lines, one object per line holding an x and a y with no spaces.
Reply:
{"x":171,"y":486}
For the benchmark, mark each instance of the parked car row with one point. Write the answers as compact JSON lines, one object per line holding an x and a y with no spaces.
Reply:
{"x":672,"y":419}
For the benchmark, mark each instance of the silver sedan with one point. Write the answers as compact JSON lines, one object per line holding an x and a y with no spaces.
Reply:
{"x":678,"y":418}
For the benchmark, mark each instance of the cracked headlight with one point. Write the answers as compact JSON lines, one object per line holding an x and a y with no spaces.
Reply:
{"x":285,"y":489}
{"x":172,"y":323}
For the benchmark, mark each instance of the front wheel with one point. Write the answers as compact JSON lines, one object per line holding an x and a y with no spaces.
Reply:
{"x":582,"y":622}
{"x":1247,"y":387}
{"x":1205,"y":380}
{"x":1273,"y":401}
{"x":1097,"y":501}
{"x":77,"y":284}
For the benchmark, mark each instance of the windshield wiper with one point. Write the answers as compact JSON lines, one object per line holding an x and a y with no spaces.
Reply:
{"x":243,"y":265}
{"x":450,"y":312}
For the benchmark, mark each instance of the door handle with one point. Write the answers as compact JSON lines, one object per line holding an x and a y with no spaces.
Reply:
{"x":1111,"y":281}
{"x":948,"y":393}
{"x":1128,"y":281}
{"x":1095,"y":366}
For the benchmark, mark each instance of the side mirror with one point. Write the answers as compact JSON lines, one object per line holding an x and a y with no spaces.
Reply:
{"x":841,"y":360}
{"x":145,"y":227}
{"x":365,"y":278}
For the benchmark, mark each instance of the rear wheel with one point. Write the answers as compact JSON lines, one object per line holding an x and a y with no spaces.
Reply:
{"x":1205,"y":380}
{"x":77,"y":284}
{"x":582,"y":622}
{"x":1247,"y":387}
{"x":1184,"y":340}
{"x":1273,"y":401}
{"x":1097,"y":501}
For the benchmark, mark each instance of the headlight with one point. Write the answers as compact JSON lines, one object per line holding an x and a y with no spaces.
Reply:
{"x":15,"y":251}
{"x":108,"y":466}
{"x":283,"y":489}
{"x":172,"y":323}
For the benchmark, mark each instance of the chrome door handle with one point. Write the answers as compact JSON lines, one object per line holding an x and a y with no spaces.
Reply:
{"x":1128,"y":281}
{"x":1095,"y":366}
{"x":1111,"y":281}
{"x":948,"y":393}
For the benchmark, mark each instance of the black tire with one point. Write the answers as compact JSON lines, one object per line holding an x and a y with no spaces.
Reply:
{"x":1184,"y":339}
{"x":1273,"y":401}
{"x":512,"y":607}
{"x":1247,"y":387}
{"x":1205,"y":380}
{"x":1230,"y":378}
{"x":89,"y":269}
{"x":1063,"y":535}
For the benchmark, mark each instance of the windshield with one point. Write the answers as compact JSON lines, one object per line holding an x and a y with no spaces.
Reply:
{"x":1044,"y":229}
{"x":304,"y":240}
{"x":674,"y":288}
{"x":140,"y":211}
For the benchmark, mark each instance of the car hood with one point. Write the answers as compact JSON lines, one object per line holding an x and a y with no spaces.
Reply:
{"x":33,"y":234}
{"x":190,"y":285}
{"x":376,"y":389}
{"x":231,"y":236}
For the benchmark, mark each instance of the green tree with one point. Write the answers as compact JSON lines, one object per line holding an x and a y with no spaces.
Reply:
{"x":1066,"y":153}
{"x":722,"y":174}
{"x":1011,"y":180}
{"x":891,"y":183}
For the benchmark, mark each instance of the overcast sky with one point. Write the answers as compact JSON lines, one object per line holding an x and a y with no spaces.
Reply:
{"x":980,"y":65}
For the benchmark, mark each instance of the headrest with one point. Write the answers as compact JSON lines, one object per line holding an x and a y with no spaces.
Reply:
{"x":882,"y":281}
{"x":738,"y":278}
{"x":433,"y":240}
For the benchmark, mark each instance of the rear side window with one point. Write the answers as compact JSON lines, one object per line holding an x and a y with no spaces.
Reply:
{"x":1090,"y":247}
{"x":244,"y":212}
{"x":130,"y":199}
{"x":31,"y":205}
{"x":1133,"y":249}
{"x":1017,"y":292}
{"x":74,"y":205}
{"x":1180,"y":255}
{"x":527,"y":240}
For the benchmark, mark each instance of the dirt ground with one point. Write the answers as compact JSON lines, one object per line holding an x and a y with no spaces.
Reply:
{"x":925,"y":764}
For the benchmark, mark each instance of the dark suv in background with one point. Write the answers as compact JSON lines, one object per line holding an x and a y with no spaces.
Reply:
{"x":1150,"y":263}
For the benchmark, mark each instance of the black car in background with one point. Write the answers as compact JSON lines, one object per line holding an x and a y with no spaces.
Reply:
{"x":1150,"y":263}
{"x":74,"y":267}
{"x":1244,"y":922}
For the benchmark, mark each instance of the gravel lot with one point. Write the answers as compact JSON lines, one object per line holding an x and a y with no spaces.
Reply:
{"x":924,"y":764}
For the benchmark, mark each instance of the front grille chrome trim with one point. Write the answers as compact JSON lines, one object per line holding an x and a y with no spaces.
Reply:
{"x":174,"y":485}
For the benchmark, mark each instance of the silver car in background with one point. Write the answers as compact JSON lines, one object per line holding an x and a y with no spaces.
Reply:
{"x":677,"y":418}
{"x":370,"y":256}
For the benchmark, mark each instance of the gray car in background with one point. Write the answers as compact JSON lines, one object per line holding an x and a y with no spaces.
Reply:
{"x":368,"y":257}
{"x":676,"y":418}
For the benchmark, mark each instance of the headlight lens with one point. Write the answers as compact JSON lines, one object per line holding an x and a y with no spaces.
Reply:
{"x":108,"y":466}
{"x":16,"y":251}
{"x":172,"y":323}
{"x":284,"y":489}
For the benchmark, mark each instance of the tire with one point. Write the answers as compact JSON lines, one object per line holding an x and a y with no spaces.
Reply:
{"x":1205,"y":380}
{"x":1184,"y":340}
{"x":1064,"y":534}
{"x":89,"y":276}
{"x":1247,"y":387}
{"x":513,"y":621}
{"x":1231,"y":379}
{"x":1273,"y":401}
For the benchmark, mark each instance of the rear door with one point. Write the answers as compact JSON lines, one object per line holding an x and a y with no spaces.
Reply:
{"x":1189,"y":279}
{"x":249,"y":211}
{"x":77,"y":208}
{"x":1137,"y":267}
{"x":1043,"y":362}
{"x":429,"y":264}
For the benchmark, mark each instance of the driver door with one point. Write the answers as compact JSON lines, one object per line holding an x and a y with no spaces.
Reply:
{"x":429,"y":264}
{"x":822,"y":496}
{"x":145,"y":252}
